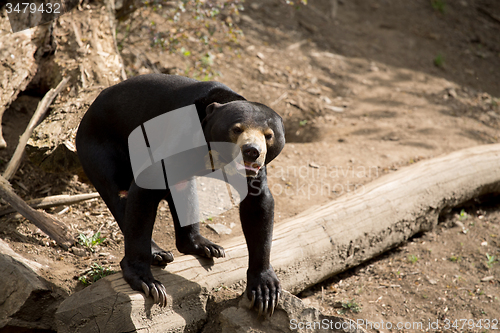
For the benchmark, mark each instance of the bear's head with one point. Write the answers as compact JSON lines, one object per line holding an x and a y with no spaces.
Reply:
{"x":254,"y":128}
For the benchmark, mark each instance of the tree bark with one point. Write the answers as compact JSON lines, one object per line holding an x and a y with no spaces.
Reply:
{"x":307,"y":248}
{"x":18,"y":62}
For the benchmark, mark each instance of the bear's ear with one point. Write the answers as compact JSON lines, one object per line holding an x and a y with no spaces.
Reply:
{"x":279,"y":141}
{"x":211,"y":108}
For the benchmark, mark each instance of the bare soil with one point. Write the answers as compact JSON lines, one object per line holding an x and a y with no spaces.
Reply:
{"x":439,"y":281}
{"x":381,"y":85}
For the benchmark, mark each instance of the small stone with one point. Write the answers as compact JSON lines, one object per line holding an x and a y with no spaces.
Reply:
{"x":326,"y":100}
{"x":431,"y":281}
{"x":487,"y":278}
{"x":220,"y":229}
{"x":314,"y":91}
{"x":314,"y":165}
{"x":334,"y":108}
{"x":493,"y":114}
{"x":78,"y":252}
{"x":452,"y":92}
{"x":392,"y":138}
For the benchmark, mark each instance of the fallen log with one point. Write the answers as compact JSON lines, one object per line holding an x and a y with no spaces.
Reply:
{"x":86,"y":51}
{"x":48,"y":224}
{"x":54,"y":201}
{"x":307,"y":248}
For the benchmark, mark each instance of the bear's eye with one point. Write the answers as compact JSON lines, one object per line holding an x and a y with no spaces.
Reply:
{"x":237,"y":130}
{"x":269,"y":136}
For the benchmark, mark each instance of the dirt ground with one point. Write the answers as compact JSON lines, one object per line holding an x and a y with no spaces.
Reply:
{"x":439,"y":281}
{"x":381,"y":85}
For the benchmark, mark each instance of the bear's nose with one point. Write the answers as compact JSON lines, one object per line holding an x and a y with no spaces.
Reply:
{"x":250,"y":151}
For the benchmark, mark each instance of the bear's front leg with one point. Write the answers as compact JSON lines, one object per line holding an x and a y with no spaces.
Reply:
{"x":257,"y":218}
{"x":140,"y":214}
{"x":185,"y":213}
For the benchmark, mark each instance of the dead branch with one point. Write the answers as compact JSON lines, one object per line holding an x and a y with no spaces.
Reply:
{"x":48,"y":224}
{"x":54,"y":201}
{"x":42,"y":108}
{"x":78,"y":35}
{"x":334,"y":7}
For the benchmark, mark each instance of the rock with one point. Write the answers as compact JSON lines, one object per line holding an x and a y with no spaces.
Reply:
{"x":452,"y":92}
{"x":390,"y":137}
{"x":220,"y":229}
{"x":314,"y":91}
{"x":334,"y":108}
{"x":289,"y":314}
{"x":27,"y":301}
{"x":431,"y":281}
{"x":493,"y":114}
{"x":314,"y":165}
{"x":78,"y":252}
{"x":373,"y":67}
{"x":255,"y":6}
{"x":247,"y":19}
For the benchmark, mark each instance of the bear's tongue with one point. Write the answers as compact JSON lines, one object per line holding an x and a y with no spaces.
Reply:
{"x":249,"y":166}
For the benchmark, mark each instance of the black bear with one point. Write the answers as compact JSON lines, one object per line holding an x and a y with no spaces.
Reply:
{"x":225,"y":116}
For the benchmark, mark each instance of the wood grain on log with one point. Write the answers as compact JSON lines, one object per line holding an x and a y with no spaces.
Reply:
{"x":307,"y":248}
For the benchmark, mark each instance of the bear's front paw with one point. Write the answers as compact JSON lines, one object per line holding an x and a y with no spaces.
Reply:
{"x":160,"y":257}
{"x":201,"y":246}
{"x":139,"y":277}
{"x":263,"y":290}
